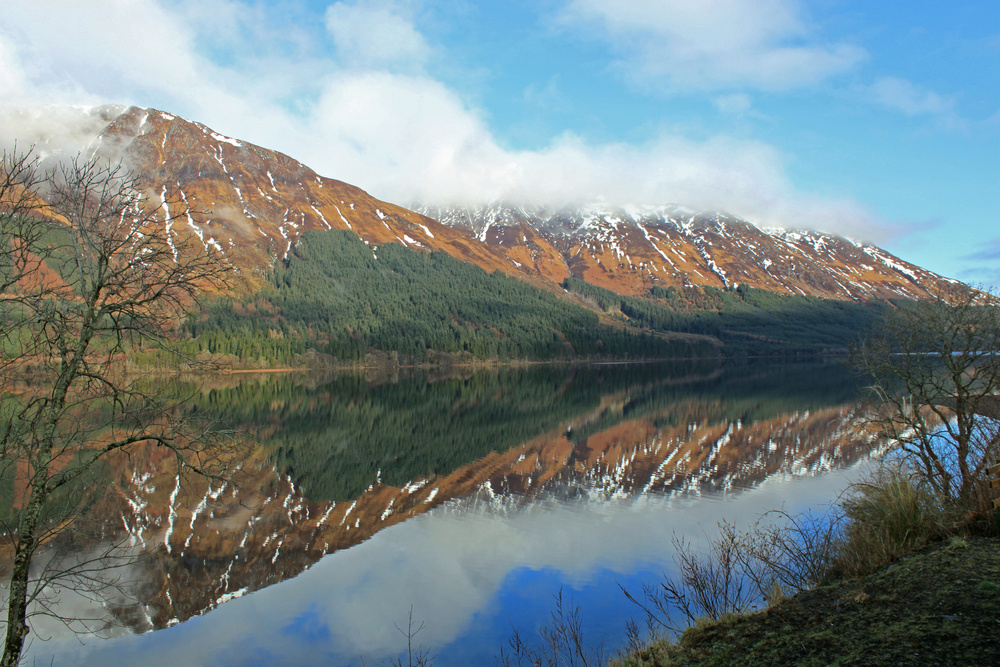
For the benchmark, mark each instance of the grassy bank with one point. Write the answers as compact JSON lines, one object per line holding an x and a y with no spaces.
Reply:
{"x":938,"y":606}
{"x":900,"y":576}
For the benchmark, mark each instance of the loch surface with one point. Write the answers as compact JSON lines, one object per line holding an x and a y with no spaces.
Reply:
{"x":472,"y":498}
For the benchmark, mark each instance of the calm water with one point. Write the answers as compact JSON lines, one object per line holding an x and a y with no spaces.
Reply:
{"x":472,"y":500}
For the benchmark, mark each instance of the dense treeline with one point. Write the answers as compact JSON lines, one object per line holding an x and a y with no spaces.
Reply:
{"x":338,"y":437}
{"x":745,"y":319}
{"x":343,"y":298}
{"x":339,"y":300}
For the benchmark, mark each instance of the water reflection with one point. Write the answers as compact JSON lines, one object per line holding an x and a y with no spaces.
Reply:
{"x":492,"y":482}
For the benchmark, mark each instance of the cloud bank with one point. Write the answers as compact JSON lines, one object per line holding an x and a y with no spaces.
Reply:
{"x":352,"y":99}
{"x":710,"y":44}
{"x":371,"y":34}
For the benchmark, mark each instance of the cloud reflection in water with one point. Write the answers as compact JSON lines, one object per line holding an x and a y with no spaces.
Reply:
{"x":467,"y":573}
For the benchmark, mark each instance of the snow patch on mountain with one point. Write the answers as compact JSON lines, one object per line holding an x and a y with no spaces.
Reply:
{"x":713,"y":249}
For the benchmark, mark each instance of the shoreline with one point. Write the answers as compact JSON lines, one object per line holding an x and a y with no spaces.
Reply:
{"x":517,"y":363}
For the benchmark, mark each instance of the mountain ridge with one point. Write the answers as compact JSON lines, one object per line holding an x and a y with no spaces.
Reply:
{"x":630,"y":249}
{"x":252,"y":204}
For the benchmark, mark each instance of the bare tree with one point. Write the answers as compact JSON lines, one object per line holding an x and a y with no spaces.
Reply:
{"x":936,"y":372}
{"x":89,"y":271}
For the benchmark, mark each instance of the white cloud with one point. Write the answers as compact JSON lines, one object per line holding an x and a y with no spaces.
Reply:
{"x":51,"y":129}
{"x":372,"y":34}
{"x":712,"y":44}
{"x":396,"y":132}
{"x":736,"y":104}
{"x":902,"y":95}
{"x":410,"y":138}
{"x":105,"y":45}
{"x":12,"y":84}
{"x":428,"y":146}
{"x":138,"y":52}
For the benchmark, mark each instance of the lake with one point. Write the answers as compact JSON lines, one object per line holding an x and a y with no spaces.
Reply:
{"x":472,"y":498}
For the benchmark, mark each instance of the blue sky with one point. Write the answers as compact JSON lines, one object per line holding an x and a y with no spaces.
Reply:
{"x":876,"y":120}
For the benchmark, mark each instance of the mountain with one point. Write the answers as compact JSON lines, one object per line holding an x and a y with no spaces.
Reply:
{"x":632,"y":249}
{"x":332,"y":274}
{"x":252,"y":204}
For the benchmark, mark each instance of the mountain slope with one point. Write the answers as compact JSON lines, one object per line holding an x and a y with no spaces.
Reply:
{"x":319,"y":277}
{"x":253,"y":204}
{"x":630,"y":250}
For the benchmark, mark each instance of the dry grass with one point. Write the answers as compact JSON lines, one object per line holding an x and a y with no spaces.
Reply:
{"x":889,"y":515}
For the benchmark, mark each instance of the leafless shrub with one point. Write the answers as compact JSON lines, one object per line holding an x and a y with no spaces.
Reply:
{"x":561,"y":643}
{"x":935,"y":372}
{"x":778,"y":556}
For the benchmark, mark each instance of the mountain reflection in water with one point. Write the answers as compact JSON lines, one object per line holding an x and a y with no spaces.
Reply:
{"x":528,"y":479}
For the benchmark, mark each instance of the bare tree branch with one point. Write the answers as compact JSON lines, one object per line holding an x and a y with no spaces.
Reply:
{"x":88,"y":271}
{"x":936,"y":374}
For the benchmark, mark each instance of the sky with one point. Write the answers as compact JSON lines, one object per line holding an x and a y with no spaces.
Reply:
{"x":877,"y":120}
